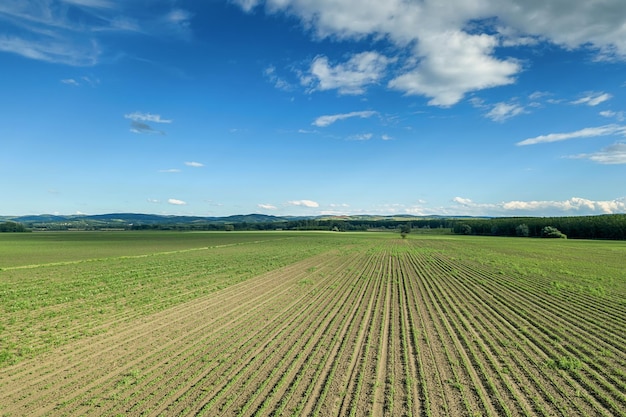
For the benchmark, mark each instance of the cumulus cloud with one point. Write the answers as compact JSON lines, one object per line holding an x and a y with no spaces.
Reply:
{"x":176,"y":202}
{"x":593,"y":99}
{"x":448,"y":48}
{"x":327,"y":120}
{"x":453,"y":63}
{"x":611,"y":155}
{"x":303,"y":203}
{"x":607,"y":130}
{"x":267,"y":207}
{"x":194,"y":164}
{"x":572,"y":206}
{"x":350,"y":77}
{"x":503,"y":111}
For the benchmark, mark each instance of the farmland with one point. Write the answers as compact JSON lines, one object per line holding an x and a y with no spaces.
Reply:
{"x":286,"y":323}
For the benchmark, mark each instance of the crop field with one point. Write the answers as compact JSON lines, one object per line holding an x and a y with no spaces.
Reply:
{"x":322,"y":324}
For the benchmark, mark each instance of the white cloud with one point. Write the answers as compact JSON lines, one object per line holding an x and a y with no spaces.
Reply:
{"x":267,"y":207}
{"x":619,"y":115}
{"x":70,"y":81}
{"x":54,"y":49}
{"x":386,"y":137}
{"x":279,"y":83}
{"x":83,"y":80}
{"x":91,"y":3}
{"x":611,"y":155}
{"x":362,"y":136}
{"x":453,"y":63}
{"x":462,"y":201}
{"x":607,"y":130}
{"x":350,"y":77}
{"x":176,"y":202}
{"x":304,"y":203}
{"x":153,"y":201}
{"x":138,"y":122}
{"x":593,"y":99}
{"x":194,"y":164}
{"x":327,"y":120}
{"x":502,"y":111}
{"x":539,"y":95}
{"x":172,"y":170}
{"x":448,"y":48}
{"x":575,"y":204}
{"x":146,"y":117}
{"x":572,"y":206}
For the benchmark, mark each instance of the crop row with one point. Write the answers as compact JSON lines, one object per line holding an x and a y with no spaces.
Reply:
{"x":398,"y":327}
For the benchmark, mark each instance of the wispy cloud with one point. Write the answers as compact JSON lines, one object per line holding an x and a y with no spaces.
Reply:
{"x":176,"y":202}
{"x":593,"y":98}
{"x":69,"y":32}
{"x":327,"y":120}
{"x":279,"y":82}
{"x":70,"y":81}
{"x":138,"y":122}
{"x":618,"y":115}
{"x":146,"y":117}
{"x":611,"y":155}
{"x":194,"y":164}
{"x":170,"y":171}
{"x":304,"y":203}
{"x":607,"y":130}
{"x":362,"y":136}
{"x":503,"y":111}
{"x":81,"y":81}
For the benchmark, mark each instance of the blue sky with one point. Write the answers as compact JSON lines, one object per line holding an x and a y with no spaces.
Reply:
{"x":307,"y":107}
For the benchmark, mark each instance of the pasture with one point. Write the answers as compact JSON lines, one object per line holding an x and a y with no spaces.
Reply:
{"x":310,"y":323}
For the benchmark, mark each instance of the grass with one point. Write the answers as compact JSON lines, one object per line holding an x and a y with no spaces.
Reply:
{"x":108,"y":276}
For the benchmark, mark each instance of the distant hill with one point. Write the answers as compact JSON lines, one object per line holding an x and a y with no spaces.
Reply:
{"x":140,"y":220}
{"x":137,"y":219}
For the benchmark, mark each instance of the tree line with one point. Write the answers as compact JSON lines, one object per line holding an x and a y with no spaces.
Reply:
{"x":12,"y":227}
{"x":610,"y":226}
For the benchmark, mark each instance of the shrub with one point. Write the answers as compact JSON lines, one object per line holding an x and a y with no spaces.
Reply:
{"x":552,"y":232}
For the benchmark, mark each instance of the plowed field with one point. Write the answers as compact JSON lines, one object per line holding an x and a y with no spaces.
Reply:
{"x":363,"y":326}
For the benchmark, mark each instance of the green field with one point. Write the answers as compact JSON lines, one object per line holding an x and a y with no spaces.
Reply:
{"x":310,"y":323}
